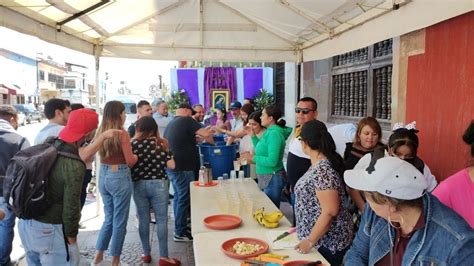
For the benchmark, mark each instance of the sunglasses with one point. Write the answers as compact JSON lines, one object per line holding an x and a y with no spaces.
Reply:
{"x":305,"y":111}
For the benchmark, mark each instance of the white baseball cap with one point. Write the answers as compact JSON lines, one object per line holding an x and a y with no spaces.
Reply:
{"x":392,"y":177}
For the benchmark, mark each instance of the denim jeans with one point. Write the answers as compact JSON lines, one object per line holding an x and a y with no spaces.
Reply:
{"x":152,"y":193}
{"x":274,"y":188}
{"x":115,"y":186}
{"x":181,"y":198}
{"x":45,"y":245}
{"x":6,"y":233}
{"x":292,"y":202}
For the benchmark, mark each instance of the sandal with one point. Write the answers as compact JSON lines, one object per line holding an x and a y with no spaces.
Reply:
{"x":169,"y":262}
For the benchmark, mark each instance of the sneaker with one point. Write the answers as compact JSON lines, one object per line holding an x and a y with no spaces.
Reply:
{"x":186,"y":237}
{"x":146,"y":258}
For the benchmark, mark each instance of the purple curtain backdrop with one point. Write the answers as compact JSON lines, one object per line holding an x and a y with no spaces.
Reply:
{"x":253,"y":82}
{"x":188,"y":81}
{"x":219,"y":78}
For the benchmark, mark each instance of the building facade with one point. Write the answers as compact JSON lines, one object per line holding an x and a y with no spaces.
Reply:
{"x":17,"y":78}
{"x":425,"y":76}
{"x":50,"y":79}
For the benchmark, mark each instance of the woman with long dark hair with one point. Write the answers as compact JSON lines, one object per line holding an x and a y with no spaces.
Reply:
{"x":268,"y":156}
{"x":222,"y":123}
{"x":115,"y":183}
{"x":322,"y":220}
{"x":150,"y":186}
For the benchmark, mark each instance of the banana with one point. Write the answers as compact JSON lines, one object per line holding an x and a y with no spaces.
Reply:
{"x":274,"y":216}
{"x":268,"y":224}
{"x":269,"y":220}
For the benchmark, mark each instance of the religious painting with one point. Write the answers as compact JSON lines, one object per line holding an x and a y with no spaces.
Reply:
{"x":220,"y":99}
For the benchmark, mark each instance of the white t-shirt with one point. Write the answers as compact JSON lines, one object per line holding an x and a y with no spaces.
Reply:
{"x":162,"y":122}
{"x":51,"y":130}
{"x":342,"y":134}
{"x":236,"y":124}
{"x":246,"y":144}
{"x":295,"y":147}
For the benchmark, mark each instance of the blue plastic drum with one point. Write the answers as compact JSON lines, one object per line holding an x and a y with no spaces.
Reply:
{"x":220,"y":156}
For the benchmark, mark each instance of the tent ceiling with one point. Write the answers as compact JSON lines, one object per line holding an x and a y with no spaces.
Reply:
{"x":223,"y":30}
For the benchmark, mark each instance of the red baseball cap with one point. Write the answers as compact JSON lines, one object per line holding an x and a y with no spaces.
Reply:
{"x":79,"y":124}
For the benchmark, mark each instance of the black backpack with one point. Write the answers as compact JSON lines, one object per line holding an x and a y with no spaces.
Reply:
{"x":26,"y":179}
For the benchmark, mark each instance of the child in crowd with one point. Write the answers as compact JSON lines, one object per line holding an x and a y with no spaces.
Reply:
{"x":403,"y":143}
{"x":222,"y":122}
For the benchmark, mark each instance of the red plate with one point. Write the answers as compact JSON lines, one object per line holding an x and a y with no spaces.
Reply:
{"x":213,"y":183}
{"x":222,"y":221}
{"x":297,"y":262}
{"x":227,"y":247}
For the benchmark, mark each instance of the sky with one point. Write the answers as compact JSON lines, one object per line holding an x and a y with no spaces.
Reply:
{"x":138,"y":74}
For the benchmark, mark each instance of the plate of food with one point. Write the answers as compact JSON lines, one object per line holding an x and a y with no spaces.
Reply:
{"x":244,"y":247}
{"x":222,"y":221}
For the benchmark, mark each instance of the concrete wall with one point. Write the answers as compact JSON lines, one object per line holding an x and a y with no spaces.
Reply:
{"x":291,"y":87}
{"x":316,"y":84}
{"x":440,"y":91}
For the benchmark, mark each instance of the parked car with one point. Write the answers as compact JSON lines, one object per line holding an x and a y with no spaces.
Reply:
{"x":29,"y":111}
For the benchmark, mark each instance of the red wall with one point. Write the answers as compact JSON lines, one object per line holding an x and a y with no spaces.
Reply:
{"x":440,"y":94}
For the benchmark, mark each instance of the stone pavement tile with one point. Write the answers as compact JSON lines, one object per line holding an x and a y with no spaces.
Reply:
{"x":132,"y":249}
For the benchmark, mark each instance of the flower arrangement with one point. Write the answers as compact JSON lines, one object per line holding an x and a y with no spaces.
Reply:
{"x":177,"y":98}
{"x":262,"y":100}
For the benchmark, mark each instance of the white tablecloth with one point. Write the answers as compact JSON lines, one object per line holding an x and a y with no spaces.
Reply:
{"x":206,"y":201}
{"x":233,"y":198}
{"x":207,"y":248}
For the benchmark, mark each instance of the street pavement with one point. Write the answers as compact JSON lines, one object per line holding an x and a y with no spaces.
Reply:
{"x":91,"y":220}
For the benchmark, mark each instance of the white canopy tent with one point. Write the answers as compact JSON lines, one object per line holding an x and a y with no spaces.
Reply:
{"x":223,"y":30}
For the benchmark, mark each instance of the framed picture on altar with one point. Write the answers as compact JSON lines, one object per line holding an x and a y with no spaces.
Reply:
{"x":220,"y":99}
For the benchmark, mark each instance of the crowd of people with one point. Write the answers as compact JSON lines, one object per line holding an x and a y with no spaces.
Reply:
{"x":368,"y":204}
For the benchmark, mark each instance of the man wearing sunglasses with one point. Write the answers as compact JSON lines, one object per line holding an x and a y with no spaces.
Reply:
{"x":297,"y":161}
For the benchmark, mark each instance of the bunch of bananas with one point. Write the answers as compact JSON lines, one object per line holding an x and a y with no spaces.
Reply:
{"x":269,"y":220}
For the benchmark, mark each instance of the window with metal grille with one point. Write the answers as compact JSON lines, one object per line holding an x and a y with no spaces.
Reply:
{"x":361,"y":83}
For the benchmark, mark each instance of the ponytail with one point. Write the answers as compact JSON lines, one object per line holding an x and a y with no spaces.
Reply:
{"x":316,"y":136}
{"x":468,"y":137}
{"x":281,"y":122}
{"x":328,"y":148}
{"x":275,"y":112}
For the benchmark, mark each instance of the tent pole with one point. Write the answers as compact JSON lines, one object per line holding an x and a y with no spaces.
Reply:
{"x":97,"y":52}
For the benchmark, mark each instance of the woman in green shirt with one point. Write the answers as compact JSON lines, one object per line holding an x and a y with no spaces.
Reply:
{"x":268,"y":156}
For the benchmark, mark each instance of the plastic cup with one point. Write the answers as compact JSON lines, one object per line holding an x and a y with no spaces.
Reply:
{"x":233,"y":176}
{"x":236,"y":165}
{"x":241,"y":176}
